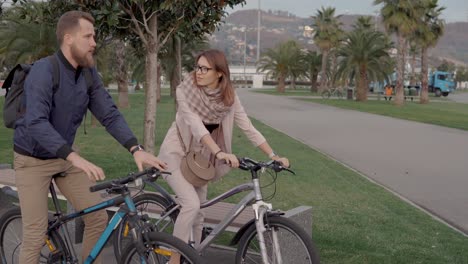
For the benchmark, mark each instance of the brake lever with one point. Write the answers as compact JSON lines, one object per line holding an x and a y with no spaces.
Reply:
{"x":290,"y":171}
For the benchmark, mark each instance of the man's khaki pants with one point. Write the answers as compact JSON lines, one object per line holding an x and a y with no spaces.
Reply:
{"x":33,"y":177}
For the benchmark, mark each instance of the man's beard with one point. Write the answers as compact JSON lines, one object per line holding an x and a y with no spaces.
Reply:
{"x":82,"y":60}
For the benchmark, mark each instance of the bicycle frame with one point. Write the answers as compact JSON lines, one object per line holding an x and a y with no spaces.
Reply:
{"x":60,"y":220}
{"x":260,"y":209}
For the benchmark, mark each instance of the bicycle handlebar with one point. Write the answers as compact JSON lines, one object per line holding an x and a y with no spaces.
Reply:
{"x":151,"y":173}
{"x":249,"y":164}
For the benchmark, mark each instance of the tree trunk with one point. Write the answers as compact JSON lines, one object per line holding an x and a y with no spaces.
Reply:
{"x":323,"y":79}
{"x":293,"y":83}
{"x":399,"y":96}
{"x":158,"y":80}
{"x":361,"y":94}
{"x":333,"y":67}
{"x":281,"y":83}
{"x":424,"y":98}
{"x":177,"y":72}
{"x":121,"y":75}
{"x":151,"y":88}
{"x":313,"y":87}
{"x":137,"y":86}
{"x":413,"y":76}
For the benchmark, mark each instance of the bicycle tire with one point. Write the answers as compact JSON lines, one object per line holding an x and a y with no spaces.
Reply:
{"x":326,"y":94}
{"x":161,"y":245}
{"x":244,"y":255}
{"x":120,"y":240}
{"x":339,"y":94}
{"x":12,"y":220}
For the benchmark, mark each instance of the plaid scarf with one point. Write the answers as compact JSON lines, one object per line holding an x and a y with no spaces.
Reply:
{"x":207,"y":103}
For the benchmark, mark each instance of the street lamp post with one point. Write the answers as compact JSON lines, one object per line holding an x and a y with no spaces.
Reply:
{"x":245,"y":54}
{"x":258,"y":30}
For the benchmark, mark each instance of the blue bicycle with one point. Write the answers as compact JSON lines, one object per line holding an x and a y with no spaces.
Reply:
{"x":148,"y":246}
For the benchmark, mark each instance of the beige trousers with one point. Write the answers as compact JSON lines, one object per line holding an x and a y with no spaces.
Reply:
{"x":33,"y":177}
{"x":190,"y":216}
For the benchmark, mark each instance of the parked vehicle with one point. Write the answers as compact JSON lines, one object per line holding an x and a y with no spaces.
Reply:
{"x":441,"y":83}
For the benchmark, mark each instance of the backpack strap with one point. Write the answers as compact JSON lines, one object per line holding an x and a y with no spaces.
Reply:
{"x":56,"y":72}
{"x":89,"y":83}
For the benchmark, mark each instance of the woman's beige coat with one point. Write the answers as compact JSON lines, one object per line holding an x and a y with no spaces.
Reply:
{"x":190,"y":124}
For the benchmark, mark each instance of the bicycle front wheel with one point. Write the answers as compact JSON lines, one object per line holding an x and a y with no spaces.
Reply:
{"x":160,"y":248}
{"x":11,"y":238}
{"x":285,"y":242}
{"x":155,"y":207}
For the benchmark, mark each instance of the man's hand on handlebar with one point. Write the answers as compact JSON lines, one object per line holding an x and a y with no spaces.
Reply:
{"x":143,"y":158}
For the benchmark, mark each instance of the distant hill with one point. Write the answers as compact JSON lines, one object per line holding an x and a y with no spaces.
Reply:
{"x":454,"y":44}
{"x":279,"y":26}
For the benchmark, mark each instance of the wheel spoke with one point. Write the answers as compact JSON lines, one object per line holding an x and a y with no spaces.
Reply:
{"x":284,"y":243}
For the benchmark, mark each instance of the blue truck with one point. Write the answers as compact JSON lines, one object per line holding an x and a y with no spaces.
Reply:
{"x":441,"y":83}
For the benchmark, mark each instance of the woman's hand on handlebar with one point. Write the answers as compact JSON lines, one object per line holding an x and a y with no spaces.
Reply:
{"x":283,"y":160}
{"x":230,"y":159}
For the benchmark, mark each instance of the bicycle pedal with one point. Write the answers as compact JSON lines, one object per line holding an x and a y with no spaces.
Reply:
{"x":54,"y":256}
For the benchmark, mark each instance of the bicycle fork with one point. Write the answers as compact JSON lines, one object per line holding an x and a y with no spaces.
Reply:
{"x":261,"y":208}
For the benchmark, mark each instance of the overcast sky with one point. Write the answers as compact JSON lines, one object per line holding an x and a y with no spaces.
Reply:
{"x":456,"y":10}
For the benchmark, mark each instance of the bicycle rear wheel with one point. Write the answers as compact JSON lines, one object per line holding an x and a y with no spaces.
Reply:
{"x":159,"y":249}
{"x":11,"y":238}
{"x":339,"y":94}
{"x":293,"y":244}
{"x":326,"y":94}
{"x":155,"y":207}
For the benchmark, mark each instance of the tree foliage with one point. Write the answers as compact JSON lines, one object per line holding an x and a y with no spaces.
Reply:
{"x":402,"y":18}
{"x":430,"y":29}
{"x":282,"y":62}
{"x":328,"y":34}
{"x":364,"y":57}
{"x":24,"y":34}
{"x":149,"y":25}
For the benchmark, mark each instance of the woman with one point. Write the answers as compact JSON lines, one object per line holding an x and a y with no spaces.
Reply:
{"x":207,"y":109}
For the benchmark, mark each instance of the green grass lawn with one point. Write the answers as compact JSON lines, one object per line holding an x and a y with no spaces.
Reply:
{"x":354,"y":221}
{"x":449,"y":114}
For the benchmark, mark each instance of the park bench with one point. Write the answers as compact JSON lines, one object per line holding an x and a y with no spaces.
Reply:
{"x":213,"y":214}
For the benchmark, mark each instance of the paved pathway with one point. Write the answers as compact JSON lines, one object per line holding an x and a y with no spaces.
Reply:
{"x":460,"y":97}
{"x":427,"y":162}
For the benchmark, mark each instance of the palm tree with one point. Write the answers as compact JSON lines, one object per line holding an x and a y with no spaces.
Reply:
{"x":281,"y":62}
{"x":327,"y":34}
{"x":400,"y":17}
{"x":24,"y":38}
{"x":312,"y":61}
{"x":295,"y":66}
{"x":364,"y":57}
{"x":413,"y":52}
{"x":364,"y":23}
{"x":427,"y":34}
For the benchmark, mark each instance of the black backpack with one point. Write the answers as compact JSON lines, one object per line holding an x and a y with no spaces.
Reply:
{"x":14,"y":106}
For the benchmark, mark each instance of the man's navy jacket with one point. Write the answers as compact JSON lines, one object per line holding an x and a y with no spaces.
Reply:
{"x":49,"y":126}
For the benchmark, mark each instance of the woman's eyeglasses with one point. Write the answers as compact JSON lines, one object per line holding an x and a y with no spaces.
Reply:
{"x":201,"y":69}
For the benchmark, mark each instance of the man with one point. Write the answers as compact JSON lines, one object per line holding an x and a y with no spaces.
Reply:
{"x":44,"y":136}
